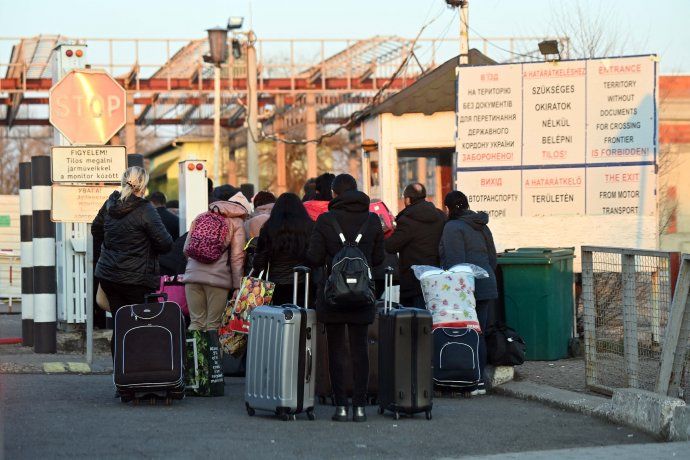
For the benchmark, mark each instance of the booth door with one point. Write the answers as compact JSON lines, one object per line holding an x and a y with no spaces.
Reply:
{"x":431,"y":167}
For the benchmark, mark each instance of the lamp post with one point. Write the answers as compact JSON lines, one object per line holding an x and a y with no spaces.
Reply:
{"x":218,"y":46}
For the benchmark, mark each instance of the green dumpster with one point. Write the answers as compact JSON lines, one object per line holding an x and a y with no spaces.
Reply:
{"x":538,"y":298}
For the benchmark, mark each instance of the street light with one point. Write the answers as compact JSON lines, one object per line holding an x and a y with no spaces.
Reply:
{"x":218,"y":48}
{"x":549,"y":48}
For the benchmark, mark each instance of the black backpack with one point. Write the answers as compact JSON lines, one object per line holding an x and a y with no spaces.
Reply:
{"x":350,"y":281}
{"x":504,"y":345}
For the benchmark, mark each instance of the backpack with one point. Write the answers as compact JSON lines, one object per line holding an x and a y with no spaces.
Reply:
{"x":504,"y":345}
{"x":350,"y":281}
{"x":206,"y":241}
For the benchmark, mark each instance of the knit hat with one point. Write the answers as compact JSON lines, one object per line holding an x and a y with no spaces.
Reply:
{"x":456,"y":200}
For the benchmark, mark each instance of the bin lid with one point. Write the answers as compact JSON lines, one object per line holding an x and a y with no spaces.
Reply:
{"x":534,"y":256}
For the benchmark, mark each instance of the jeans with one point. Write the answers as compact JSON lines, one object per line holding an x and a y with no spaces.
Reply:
{"x":336,"y":335}
{"x":483,"y":317}
{"x":120,"y":295}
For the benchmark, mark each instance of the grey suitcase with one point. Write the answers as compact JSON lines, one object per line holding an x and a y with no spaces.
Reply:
{"x":280,"y":372}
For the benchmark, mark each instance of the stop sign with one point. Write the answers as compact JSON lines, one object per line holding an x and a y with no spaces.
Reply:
{"x":87,"y":106}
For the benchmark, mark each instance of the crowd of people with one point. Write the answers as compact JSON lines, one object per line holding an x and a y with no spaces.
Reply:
{"x":139,"y":240}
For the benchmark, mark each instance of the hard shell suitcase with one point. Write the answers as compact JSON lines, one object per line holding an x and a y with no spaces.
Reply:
{"x":324,"y":390}
{"x":149,"y":350}
{"x":280,"y":372}
{"x":405,"y":347}
{"x":456,"y":358}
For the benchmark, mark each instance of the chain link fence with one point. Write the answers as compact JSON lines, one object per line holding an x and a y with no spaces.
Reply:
{"x":627,"y":296}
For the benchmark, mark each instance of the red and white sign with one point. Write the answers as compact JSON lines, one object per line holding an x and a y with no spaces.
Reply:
{"x":87,"y":106}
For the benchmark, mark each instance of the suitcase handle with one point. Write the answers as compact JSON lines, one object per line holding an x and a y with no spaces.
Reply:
{"x":387,"y":300}
{"x":307,"y":271}
{"x":155,"y":296}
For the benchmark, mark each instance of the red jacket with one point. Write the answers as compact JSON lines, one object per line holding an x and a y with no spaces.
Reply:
{"x":316,"y":208}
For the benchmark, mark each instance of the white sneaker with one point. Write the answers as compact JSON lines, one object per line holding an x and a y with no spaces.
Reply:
{"x":480,"y":390}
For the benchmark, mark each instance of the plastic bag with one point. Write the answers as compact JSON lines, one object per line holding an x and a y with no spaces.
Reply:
{"x":429,"y":270}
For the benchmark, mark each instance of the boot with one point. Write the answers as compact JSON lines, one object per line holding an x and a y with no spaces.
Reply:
{"x":340,"y":414}
{"x":358,"y":414}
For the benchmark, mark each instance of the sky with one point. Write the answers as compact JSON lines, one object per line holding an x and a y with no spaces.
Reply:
{"x":641,"y":26}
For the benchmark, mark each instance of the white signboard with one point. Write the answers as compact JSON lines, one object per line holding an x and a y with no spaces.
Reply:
{"x":85,"y":164}
{"x":559,"y":138}
{"x":78,"y":203}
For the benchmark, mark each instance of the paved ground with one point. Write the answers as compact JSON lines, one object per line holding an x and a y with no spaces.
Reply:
{"x":77,"y":416}
{"x":567,"y":374}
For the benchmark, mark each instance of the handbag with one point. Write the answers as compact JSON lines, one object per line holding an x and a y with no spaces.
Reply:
{"x":174,"y":287}
{"x":504,"y":346}
{"x":253,"y":293}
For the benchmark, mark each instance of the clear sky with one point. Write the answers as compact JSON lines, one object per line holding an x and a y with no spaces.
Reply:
{"x":644,"y":26}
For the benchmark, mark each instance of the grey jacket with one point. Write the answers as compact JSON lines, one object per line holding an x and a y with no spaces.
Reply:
{"x":467,"y":239}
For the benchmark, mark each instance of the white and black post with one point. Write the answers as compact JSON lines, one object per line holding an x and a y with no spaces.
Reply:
{"x":27,"y":257}
{"x":44,"y":273}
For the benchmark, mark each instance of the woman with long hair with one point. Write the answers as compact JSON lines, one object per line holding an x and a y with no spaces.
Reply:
{"x":133,"y":237}
{"x":282,"y":245}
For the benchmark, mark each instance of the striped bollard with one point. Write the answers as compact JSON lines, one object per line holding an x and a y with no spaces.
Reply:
{"x":27,"y":258}
{"x":44,"y":279}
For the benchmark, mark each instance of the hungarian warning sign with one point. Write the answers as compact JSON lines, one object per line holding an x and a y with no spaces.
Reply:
{"x":87,"y":106}
{"x":78,"y":203}
{"x":559,"y":138}
{"x":88,"y":164}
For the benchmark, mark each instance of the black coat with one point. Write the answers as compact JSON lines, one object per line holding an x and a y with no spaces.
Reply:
{"x":351,"y":210}
{"x":281,"y":269}
{"x":171,"y":222}
{"x":417,"y":234}
{"x":467,"y":239}
{"x":133,"y":236}
{"x":174,"y":261}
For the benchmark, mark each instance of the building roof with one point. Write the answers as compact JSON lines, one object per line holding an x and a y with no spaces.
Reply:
{"x":431,"y":93}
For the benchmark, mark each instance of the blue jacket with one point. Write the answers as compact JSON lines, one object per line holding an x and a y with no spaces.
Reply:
{"x":467,"y":239}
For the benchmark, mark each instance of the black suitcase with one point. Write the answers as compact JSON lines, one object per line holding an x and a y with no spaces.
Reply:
{"x":149,"y":350}
{"x":456,"y":359}
{"x":405,"y":346}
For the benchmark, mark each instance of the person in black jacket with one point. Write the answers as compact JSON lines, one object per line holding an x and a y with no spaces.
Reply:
{"x":282,"y":245}
{"x":350,"y":208}
{"x":170,"y":220}
{"x":133,"y":236}
{"x":416,"y":237}
{"x":467,"y":239}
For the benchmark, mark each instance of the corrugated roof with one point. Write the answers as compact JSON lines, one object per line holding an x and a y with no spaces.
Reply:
{"x":431,"y":93}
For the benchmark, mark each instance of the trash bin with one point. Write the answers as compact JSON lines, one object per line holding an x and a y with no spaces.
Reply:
{"x":538,"y":298}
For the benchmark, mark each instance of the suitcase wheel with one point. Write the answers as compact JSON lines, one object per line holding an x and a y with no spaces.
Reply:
{"x":152,"y":401}
{"x":250,"y":410}
{"x":310,"y":414}
{"x":135,"y":401}
{"x":285,"y":417}
{"x":168,"y":401}
{"x":428,"y":415}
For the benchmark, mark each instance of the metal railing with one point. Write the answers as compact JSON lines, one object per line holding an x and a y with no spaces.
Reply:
{"x":627,"y":297}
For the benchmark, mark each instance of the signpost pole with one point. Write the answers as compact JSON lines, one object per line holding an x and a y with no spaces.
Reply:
{"x":89,"y":295}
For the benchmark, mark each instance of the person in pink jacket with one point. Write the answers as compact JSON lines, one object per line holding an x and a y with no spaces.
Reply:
{"x":207,"y":285}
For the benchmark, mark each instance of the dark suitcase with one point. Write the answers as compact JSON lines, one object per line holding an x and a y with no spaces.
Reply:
{"x":324,"y":390}
{"x":456,"y":358}
{"x":149,"y":350}
{"x":280,"y":371}
{"x":405,"y":346}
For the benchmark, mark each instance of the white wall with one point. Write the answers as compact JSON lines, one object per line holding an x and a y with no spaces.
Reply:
{"x":9,"y":239}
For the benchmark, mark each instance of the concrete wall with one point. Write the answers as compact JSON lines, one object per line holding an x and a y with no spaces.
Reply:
{"x":9,"y":240}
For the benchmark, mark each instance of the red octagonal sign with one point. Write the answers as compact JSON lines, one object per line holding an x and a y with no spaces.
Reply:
{"x":87,"y":106}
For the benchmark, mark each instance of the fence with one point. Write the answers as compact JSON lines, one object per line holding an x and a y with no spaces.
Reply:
{"x":627,"y":297}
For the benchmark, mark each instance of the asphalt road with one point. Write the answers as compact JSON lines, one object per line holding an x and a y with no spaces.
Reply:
{"x":53,"y":416}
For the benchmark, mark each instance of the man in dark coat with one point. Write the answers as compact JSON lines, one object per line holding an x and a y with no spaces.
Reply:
{"x":350,"y":208}
{"x":417,"y":234}
{"x":170,"y":220}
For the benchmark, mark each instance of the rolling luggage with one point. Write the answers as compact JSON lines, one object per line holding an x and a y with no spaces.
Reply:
{"x":405,"y":346}
{"x":324,"y":390}
{"x":456,"y":358}
{"x":280,"y":372}
{"x":149,"y":351}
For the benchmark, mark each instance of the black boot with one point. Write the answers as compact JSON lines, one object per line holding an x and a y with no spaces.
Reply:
{"x":358,"y":414}
{"x":340,"y":414}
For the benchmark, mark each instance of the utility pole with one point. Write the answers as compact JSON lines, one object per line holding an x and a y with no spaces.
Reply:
{"x":216,"y":125}
{"x":252,"y":114}
{"x":463,"y":7}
